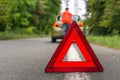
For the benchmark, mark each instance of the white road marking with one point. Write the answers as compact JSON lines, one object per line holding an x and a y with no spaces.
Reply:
{"x":73,"y":55}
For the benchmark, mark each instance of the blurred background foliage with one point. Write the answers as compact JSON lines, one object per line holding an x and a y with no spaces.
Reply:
{"x":28,"y":16}
{"x":37,"y":16}
{"x":103,"y":17}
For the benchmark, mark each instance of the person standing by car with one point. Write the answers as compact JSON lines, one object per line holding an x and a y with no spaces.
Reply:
{"x":66,"y":20}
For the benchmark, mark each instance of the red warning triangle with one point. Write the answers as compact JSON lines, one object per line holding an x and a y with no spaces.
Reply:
{"x":56,"y":64}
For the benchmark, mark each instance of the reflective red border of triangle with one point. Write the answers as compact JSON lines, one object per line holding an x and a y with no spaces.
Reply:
{"x":56,"y":64}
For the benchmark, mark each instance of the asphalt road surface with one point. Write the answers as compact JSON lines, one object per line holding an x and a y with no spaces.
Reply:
{"x":26,"y":60}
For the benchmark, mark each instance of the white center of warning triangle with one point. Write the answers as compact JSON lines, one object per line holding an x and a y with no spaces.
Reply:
{"x":72,"y":54}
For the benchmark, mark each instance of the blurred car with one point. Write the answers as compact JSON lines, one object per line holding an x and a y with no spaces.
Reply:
{"x":57,"y":27}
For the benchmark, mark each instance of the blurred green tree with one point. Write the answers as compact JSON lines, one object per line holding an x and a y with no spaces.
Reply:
{"x":103,"y":16}
{"x":22,"y":14}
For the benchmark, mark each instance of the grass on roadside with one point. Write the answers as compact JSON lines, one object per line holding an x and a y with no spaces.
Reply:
{"x":8,"y":36}
{"x":108,"y":41}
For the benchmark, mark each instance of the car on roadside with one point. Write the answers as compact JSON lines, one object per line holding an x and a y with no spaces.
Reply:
{"x":57,"y":27}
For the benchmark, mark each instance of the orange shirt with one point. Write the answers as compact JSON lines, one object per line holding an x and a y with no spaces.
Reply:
{"x":67,"y":17}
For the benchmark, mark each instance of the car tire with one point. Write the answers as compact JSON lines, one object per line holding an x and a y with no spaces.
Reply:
{"x":53,"y":39}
